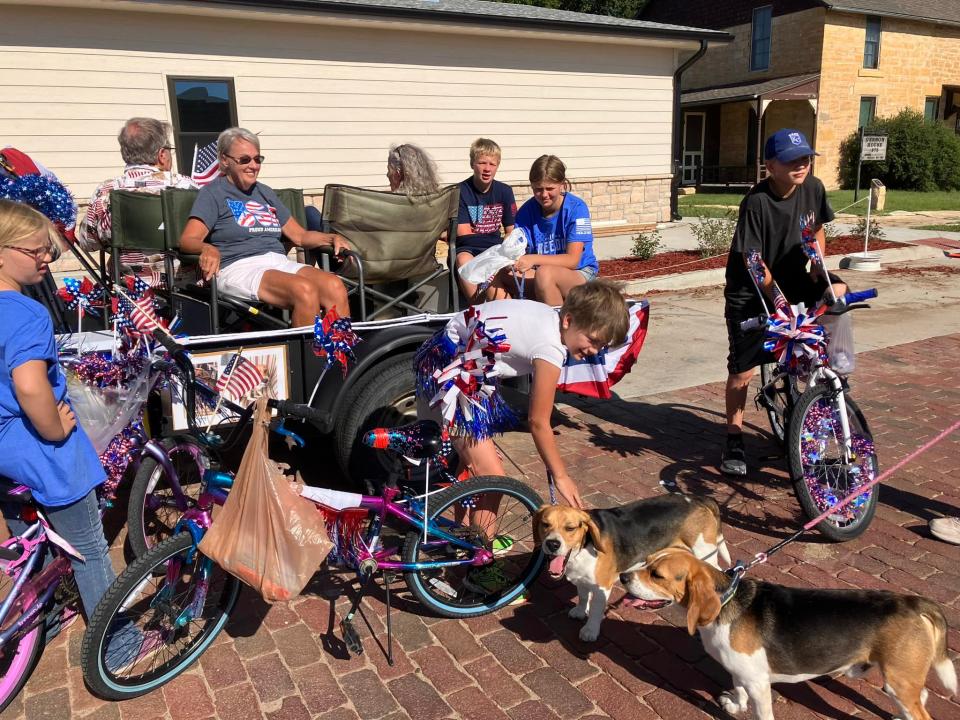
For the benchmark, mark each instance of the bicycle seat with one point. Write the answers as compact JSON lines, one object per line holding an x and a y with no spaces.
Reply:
{"x":13,"y":493}
{"x":422,"y":439}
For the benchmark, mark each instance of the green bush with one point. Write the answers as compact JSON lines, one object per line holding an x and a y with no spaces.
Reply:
{"x":646,"y":245}
{"x":714,"y":235}
{"x":921,"y":155}
{"x":860,"y":229}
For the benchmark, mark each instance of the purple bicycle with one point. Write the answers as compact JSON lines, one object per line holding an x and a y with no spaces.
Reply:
{"x":464,"y":549}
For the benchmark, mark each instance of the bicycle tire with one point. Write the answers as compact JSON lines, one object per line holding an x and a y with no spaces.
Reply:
{"x":782,"y":398}
{"x":147,"y":526}
{"x":819,"y":478}
{"x":443,"y":590}
{"x":121,"y":601}
{"x":19,"y":657}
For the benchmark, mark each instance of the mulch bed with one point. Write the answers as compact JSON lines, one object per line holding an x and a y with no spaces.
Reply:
{"x":680,"y":261}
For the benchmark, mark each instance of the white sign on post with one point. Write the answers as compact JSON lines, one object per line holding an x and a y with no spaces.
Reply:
{"x":874,"y":147}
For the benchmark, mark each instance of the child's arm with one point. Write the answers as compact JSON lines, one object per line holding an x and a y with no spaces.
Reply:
{"x":570,"y":259}
{"x":542,"y":394}
{"x":32,"y":388}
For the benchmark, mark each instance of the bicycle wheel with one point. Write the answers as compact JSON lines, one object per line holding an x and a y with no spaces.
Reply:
{"x":156,"y":619}
{"x":820,"y":475}
{"x":152,"y":513}
{"x":480,"y":510}
{"x":19,"y":655}
{"x":779,"y":394}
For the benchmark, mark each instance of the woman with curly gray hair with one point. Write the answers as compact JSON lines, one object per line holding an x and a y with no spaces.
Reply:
{"x":411,"y":170}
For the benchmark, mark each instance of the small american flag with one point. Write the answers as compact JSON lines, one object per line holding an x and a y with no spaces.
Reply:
{"x":206,"y":164}
{"x":137,"y":311}
{"x":252,"y":213}
{"x":239,"y":377}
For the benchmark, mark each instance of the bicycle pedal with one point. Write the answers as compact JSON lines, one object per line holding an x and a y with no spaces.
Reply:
{"x":351,"y":637}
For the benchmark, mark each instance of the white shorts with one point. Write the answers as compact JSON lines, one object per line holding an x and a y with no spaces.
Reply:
{"x":242,"y":278}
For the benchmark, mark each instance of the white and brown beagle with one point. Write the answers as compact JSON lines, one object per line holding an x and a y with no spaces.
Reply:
{"x":591,"y":548}
{"x":764,"y":633}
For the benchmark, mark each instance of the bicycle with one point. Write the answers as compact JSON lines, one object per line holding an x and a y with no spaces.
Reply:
{"x":34,"y":596}
{"x":830,"y":450}
{"x":181,"y":600}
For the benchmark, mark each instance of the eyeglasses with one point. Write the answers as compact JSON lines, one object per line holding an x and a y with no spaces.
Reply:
{"x":168,"y":148}
{"x":38,"y":254}
{"x":246,"y":159}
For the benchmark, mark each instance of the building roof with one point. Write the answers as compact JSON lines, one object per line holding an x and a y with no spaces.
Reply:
{"x":792,"y":87}
{"x":490,"y":14}
{"x":945,"y":11}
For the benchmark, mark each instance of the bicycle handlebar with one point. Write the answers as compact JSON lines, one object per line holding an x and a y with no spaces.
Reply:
{"x":297,"y":410}
{"x":842,"y":305}
{"x":855,"y":297}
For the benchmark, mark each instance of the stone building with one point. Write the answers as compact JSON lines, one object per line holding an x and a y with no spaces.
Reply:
{"x":330,"y":85}
{"x":826,"y":67}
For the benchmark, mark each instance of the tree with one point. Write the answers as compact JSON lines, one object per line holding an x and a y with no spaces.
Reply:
{"x":616,"y":8}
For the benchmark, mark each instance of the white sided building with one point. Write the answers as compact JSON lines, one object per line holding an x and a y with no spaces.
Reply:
{"x":329,"y":86}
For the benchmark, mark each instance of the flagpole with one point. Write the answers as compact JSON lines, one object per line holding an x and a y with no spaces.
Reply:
{"x":226,"y":385}
{"x":193,"y":167}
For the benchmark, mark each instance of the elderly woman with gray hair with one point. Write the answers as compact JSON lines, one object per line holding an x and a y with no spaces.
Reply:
{"x":237,"y":225}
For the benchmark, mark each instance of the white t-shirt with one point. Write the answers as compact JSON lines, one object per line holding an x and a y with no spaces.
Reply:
{"x":532,"y":330}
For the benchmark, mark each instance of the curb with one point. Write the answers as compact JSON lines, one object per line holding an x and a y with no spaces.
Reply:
{"x":703,"y":278}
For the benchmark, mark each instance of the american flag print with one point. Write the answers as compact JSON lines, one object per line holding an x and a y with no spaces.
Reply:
{"x":239,"y":377}
{"x":251,"y":214}
{"x":206,"y":164}
{"x":137,"y":311}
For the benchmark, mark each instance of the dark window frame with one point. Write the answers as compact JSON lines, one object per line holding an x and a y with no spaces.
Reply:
{"x":873,"y":110}
{"x":754,"y":66}
{"x":185,"y":155}
{"x":871,"y":46}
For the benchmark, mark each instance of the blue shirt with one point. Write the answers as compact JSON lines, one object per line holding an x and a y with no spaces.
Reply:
{"x":486,"y":212}
{"x":57,"y":473}
{"x":550,"y":236}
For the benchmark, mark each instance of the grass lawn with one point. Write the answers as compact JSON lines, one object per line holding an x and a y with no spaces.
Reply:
{"x":947,"y":228}
{"x":692,"y":205}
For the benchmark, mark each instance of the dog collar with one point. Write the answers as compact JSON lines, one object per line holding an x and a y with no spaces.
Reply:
{"x":735,"y":573}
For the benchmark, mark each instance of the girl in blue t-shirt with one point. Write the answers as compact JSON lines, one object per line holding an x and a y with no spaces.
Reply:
{"x":559,"y":237}
{"x":40,"y":444}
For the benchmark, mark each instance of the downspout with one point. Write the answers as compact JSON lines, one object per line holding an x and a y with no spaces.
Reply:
{"x":677,"y":130}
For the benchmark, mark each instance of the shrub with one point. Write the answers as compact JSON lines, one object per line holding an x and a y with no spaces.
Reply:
{"x":646,"y":245}
{"x":921,"y":155}
{"x":714,"y":235}
{"x":830,"y":231}
{"x":860,"y":229}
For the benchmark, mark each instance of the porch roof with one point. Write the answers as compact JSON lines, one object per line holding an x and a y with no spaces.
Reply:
{"x":794,"y":87}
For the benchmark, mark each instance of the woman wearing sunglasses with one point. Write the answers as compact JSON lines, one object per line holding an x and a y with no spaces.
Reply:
{"x":237,"y":226}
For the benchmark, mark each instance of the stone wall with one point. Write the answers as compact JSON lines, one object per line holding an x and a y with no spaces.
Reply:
{"x":916,"y":60}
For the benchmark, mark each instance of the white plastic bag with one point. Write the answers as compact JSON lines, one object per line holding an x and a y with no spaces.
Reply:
{"x":492,"y":260}
{"x":840,"y":346}
{"x":105,"y":412}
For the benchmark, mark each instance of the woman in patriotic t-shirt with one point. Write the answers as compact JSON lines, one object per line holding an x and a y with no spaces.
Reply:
{"x":559,"y":238}
{"x":237,"y":225}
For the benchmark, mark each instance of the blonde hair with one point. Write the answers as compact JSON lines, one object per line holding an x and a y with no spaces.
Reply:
{"x":598,"y":308}
{"x":19,"y":221}
{"x":483,"y":146}
{"x":549,"y":167}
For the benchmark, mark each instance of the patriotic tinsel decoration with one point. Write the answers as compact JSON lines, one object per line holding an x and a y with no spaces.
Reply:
{"x":43,"y":193}
{"x":84,"y":294}
{"x":795,"y":338}
{"x":334,"y":339}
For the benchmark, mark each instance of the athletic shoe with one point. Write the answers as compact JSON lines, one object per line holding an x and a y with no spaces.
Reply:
{"x":946,"y":529}
{"x":734,"y":458}
{"x":501,"y":544}
{"x":489,"y":580}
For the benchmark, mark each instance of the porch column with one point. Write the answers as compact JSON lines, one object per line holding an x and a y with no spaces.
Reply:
{"x":759,"y":137}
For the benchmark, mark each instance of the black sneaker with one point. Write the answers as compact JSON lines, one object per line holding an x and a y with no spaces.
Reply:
{"x":734,"y":458}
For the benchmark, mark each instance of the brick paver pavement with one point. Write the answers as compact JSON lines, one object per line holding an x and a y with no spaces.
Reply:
{"x":526,"y":662}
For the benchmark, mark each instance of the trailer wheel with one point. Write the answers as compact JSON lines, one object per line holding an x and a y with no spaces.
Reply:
{"x":384,"y":397}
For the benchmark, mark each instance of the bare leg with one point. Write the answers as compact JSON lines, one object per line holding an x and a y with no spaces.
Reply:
{"x":482,"y":459}
{"x":468,"y":288}
{"x":736,"y":399}
{"x":552,"y":283}
{"x":304,"y":293}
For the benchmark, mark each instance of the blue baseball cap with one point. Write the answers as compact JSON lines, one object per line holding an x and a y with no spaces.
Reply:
{"x":786,"y":146}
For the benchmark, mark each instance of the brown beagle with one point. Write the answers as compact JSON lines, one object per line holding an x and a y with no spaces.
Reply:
{"x":764,"y":633}
{"x":591,"y":548}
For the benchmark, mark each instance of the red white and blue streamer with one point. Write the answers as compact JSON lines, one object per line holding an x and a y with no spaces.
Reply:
{"x":795,"y":338}
{"x":84,"y":295}
{"x":334,"y":339}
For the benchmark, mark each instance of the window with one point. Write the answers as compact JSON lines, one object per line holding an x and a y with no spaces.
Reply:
{"x":871,"y":45}
{"x":868,"y":110}
{"x":760,"y":38}
{"x":931,"y":109}
{"x":202,"y":108}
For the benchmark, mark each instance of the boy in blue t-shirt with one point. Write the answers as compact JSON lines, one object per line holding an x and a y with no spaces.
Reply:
{"x":486,"y":206}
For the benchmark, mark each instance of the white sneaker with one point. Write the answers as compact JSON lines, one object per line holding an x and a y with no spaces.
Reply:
{"x":946,"y":529}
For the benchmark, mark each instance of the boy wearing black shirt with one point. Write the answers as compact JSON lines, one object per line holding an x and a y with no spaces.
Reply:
{"x":774,"y":216}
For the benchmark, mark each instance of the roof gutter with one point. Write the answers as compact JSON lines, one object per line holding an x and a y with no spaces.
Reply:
{"x":677,"y":139}
{"x":840,"y":7}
